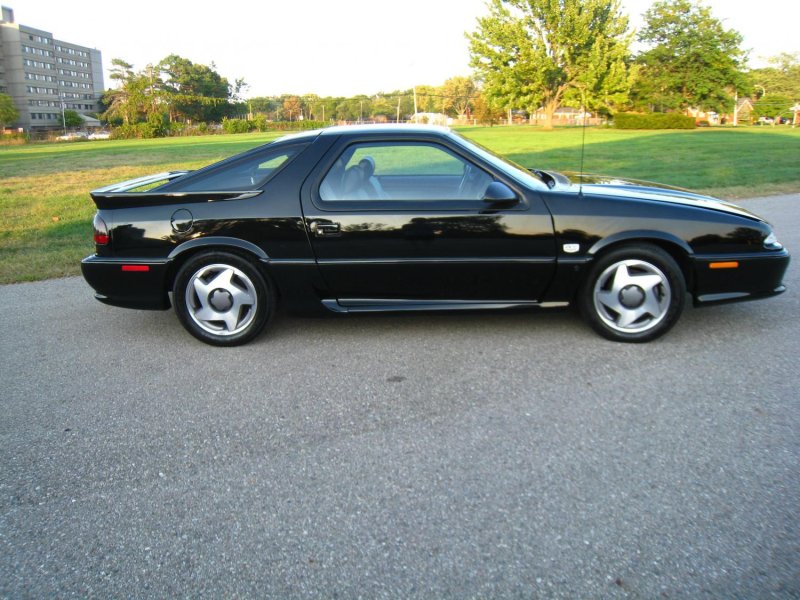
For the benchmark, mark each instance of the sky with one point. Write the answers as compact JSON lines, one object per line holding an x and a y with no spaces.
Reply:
{"x":332,"y":47}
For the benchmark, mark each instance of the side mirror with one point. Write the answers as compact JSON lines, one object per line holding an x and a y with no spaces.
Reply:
{"x":499,"y":192}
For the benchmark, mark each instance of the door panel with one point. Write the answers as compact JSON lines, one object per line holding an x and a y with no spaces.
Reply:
{"x":427,"y":236}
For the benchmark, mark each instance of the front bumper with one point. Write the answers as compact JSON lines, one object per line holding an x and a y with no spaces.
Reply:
{"x":754,"y":276}
{"x":128,"y":283}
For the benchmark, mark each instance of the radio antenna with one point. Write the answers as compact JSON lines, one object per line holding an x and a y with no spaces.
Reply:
{"x":583,"y":146}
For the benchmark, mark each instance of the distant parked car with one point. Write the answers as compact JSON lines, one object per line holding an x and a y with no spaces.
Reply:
{"x":100,"y":135}
{"x":400,"y":218}
{"x":72,"y":136}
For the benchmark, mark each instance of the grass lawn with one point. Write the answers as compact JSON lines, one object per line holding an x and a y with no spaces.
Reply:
{"x":46,"y":211}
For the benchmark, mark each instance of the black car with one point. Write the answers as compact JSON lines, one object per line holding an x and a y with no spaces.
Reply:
{"x":406,"y":218}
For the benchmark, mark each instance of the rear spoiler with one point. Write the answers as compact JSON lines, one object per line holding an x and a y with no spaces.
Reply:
{"x":145,"y":191}
{"x":132,"y":184}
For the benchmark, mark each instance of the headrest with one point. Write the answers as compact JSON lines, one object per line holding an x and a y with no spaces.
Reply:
{"x":367,"y":165}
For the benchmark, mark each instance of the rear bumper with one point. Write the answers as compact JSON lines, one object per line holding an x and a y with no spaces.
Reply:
{"x":128,"y":283}
{"x":754,"y":276}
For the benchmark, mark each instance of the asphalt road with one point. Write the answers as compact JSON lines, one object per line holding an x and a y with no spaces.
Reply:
{"x":454,"y":456}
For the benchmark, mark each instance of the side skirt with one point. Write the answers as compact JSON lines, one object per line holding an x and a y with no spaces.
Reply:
{"x":367,"y":305}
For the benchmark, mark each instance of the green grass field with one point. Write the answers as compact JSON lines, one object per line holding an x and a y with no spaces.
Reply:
{"x":46,"y":211}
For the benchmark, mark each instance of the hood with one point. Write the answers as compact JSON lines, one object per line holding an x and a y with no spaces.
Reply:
{"x":603,"y":185}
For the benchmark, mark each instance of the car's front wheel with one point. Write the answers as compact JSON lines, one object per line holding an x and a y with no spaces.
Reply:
{"x":222,"y":299}
{"x":633,"y":294}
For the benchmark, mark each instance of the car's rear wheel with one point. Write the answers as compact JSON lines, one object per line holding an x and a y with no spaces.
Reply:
{"x":633,"y":294}
{"x":222,"y":299}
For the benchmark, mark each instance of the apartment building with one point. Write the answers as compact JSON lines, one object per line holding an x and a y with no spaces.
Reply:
{"x":45,"y":76}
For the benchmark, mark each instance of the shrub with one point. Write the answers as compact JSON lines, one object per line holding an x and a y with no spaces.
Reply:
{"x":157,"y":126}
{"x":295,"y":125}
{"x":235,"y":125}
{"x":13,"y":138}
{"x":151,"y":129}
{"x":260,"y":122}
{"x":653,"y":121}
{"x":124,"y":132}
{"x":182,"y":129}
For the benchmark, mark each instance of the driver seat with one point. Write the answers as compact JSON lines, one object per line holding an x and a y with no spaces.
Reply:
{"x":360,"y":182}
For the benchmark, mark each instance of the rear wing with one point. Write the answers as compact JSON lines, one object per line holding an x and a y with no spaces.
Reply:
{"x":144,"y":191}
{"x":140,"y":182}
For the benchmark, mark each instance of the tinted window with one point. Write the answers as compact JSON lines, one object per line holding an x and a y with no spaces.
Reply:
{"x":402,"y":171}
{"x":247,"y":174}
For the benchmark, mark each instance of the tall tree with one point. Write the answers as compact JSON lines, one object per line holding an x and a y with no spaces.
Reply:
{"x":692,"y":60}
{"x":458,"y":94}
{"x":540,"y":53}
{"x":198,"y":92}
{"x":129,"y":101}
{"x":8,"y":112}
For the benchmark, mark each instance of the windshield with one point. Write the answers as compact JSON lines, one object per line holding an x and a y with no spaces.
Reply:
{"x":510,"y":168}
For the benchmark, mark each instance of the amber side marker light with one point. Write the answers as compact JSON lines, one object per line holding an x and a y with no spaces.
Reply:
{"x":724,"y":265}
{"x":135,"y":268}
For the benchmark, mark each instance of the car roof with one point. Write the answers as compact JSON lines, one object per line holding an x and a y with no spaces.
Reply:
{"x":384,"y":128}
{"x":361,"y":129}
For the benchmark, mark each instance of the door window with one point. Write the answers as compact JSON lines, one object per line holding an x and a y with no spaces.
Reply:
{"x":402,"y":171}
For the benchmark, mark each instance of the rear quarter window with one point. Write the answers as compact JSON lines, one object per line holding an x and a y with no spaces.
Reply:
{"x":246,"y":174}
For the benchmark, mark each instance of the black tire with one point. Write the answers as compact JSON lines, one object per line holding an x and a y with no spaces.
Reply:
{"x":222,"y":299}
{"x":633,"y":294}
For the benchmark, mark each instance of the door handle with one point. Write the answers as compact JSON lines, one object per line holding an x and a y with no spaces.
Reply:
{"x":324,"y":228}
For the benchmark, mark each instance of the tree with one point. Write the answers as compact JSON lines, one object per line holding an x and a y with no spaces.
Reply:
{"x":382,"y":106}
{"x":129,"y":100}
{"x":532,"y":53}
{"x":458,"y":94}
{"x":8,"y":112}
{"x":429,"y":99}
{"x":261,"y":104}
{"x":72,"y":119}
{"x":774,"y":106}
{"x":292,"y":108}
{"x":781,"y":77}
{"x":196,"y":92}
{"x":693,"y":61}
{"x":406,"y":100}
{"x":486,"y":110}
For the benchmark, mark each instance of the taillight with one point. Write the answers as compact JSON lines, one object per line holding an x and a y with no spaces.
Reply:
{"x":101,"y":237}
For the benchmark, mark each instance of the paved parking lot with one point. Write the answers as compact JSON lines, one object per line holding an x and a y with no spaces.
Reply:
{"x":464,"y":456}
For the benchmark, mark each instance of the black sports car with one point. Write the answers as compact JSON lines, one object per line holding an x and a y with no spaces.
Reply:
{"x":402,"y":218}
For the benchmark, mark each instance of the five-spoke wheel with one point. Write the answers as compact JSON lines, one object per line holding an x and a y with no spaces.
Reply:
{"x":222,"y":298}
{"x":633,"y":294}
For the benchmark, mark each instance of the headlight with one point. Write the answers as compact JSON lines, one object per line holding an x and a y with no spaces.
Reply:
{"x":771,"y":242}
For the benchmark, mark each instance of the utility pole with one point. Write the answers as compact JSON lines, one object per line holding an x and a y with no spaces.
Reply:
{"x":61,"y":98}
{"x":736,"y":108}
